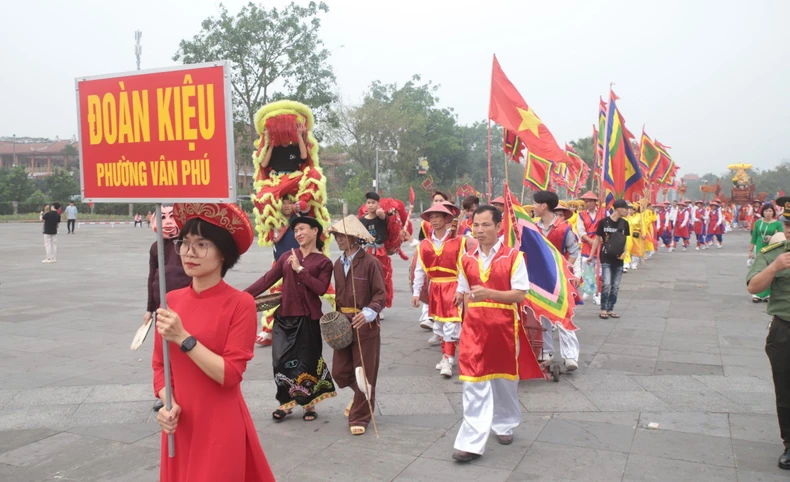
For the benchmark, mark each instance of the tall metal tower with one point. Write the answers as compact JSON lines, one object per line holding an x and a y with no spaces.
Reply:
{"x":138,"y":48}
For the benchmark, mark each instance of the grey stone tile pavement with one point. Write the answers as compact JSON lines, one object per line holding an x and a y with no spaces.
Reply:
{"x":686,"y":355}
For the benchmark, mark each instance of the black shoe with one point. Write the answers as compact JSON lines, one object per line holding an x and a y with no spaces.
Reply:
{"x":784,"y":460}
{"x":158,"y":404}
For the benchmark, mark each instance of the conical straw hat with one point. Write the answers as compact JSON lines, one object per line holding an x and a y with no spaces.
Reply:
{"x":353,"y":227}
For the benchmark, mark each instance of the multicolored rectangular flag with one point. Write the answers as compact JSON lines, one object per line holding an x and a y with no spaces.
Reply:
{"x":427,"y":184}
{"x":579,"y":171}
{"x":537,"y":174}
{"x":622,"y":174}
{"x":509,"y":109}
{"x":514,"y":147}
{"x":661,"y":170}
{"x":551,"y":293}
{"x":648,"y":154}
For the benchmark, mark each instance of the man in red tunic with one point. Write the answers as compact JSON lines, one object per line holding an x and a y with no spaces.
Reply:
{"x":437,"y":258}
{"x":682,"y":226}
{"x":715,"y":224}
{"x":586,"y":226}
{"x":557,"y":231}
{"x":489,"y":360}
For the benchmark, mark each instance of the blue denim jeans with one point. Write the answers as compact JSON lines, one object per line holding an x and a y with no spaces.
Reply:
{"x":610,"y":285}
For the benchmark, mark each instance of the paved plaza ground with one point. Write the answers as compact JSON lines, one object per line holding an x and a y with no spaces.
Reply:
{"x":687,"y":354}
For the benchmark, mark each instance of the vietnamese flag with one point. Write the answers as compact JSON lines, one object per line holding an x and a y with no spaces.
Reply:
{"x":508,"y":109}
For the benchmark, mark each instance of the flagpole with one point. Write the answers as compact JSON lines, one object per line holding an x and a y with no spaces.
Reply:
{"x":489,"y":161}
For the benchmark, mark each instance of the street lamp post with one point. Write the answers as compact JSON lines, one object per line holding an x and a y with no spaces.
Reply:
{"x":376,"y":182}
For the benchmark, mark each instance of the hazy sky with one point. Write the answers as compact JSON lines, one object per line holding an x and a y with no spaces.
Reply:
{"x":711,"y":78}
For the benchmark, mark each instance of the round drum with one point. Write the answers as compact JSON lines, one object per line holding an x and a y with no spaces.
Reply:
{"x":336,"y":330}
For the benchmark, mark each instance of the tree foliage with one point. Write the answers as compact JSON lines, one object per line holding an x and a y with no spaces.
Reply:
{"x":62,"y":185}
{"x":15,"y":185}
{"x":276,"y":54}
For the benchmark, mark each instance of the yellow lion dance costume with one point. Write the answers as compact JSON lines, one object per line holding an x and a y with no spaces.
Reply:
{"x":277,"y":125}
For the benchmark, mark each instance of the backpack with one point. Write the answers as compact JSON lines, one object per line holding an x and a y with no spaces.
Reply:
{"x":614,"y":246}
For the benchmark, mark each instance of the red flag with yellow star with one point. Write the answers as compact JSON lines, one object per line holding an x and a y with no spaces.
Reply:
{"x":508,"y":109}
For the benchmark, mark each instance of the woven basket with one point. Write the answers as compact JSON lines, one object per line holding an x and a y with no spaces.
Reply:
{"x":268,"y":301}
{"x":336,"y":330}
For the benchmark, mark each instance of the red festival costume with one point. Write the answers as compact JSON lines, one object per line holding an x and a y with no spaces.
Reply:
{"x":493,"y":329}
{"x":396,"y":220}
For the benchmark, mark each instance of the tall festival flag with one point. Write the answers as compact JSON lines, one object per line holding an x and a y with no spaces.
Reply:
{"x":622,"y":174}
{"x":537,"y":173}
{"x":599,"y":132}
{"x":509,"y":109}
{"x":578,"y":171}
{"x":514,"y":147}
{"x":648,"y":152}
{"x":662,"y":170}
{"x":551,"y":293}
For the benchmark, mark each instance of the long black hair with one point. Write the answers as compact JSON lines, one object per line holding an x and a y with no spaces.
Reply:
{"x":220,"y":237}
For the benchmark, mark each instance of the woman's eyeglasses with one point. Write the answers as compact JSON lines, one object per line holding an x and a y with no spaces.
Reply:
{"x":199,"y":249}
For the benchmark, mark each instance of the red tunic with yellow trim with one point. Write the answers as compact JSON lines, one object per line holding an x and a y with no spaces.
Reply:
{"x":493,"y":343}
{"x":590,"y":227}
{"x":441,"y":267}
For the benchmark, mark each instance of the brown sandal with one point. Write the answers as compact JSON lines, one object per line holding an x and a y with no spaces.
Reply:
{"x":612,"y":314}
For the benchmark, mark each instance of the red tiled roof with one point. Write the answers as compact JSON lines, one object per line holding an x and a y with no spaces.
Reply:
{"x":40,"y":148}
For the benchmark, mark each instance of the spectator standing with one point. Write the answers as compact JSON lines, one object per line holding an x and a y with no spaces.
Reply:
{"x":51,"y":220}
{"x":71,"y":217}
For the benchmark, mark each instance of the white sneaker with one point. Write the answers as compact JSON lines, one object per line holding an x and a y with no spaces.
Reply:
{"x":684,"y":249}
{"x":445,"y":369}
{"x":597,"y":299}
{"x":571,"y":365}
{"x":435,"y":340}
{"x":46,"y":261}
{"x":671,"y":249}
{"x":427,"y":324}
{"x":585,"y":296}
{"x":718,"y":246}
{"x":697,"y":248}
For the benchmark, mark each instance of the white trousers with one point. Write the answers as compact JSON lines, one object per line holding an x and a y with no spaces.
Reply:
{"x":424,"y":313}
{"x":449,"y":332}
{"x":51,"y":245}
{"x":569,"y":343}
{"x":491,"y":405}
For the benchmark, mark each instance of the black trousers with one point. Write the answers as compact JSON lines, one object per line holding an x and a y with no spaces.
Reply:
{"x":777,"y":347}
{"x":70,"y":225}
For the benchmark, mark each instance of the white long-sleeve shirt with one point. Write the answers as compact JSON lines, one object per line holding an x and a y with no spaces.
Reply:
{"x":519,"y":280}
{"x":580,"y":223}
{"x":673,"y":215}
{"x":419,"y":272}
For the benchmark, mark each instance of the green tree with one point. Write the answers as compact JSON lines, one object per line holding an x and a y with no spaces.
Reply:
{"x":69,"y":152}
{"x":15,"y":185}
{"x":276,"y":54}
{"x":62,"y":185}
{"x":38,"y":198}
{"x":407,"y":119}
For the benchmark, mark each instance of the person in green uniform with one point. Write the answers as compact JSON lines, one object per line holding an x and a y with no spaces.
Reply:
{"x":771,"y":269}
{"x":763,"y":229}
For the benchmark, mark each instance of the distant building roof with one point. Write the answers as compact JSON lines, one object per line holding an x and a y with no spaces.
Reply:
{"x":37,"y":148}
{"x":691,"y":177}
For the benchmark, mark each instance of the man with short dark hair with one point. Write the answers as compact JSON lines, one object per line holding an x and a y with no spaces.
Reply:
{"x":469,"y":205}
{"x":375,"y":221}
{"x":71,"y":217}
{"x":51,"y":221}
{"x":612,"y":230}
{"x":495,"y":279}
{"x":557,"y":231}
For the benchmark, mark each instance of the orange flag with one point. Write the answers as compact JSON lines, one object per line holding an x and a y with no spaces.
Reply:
{"x":508,"y":109}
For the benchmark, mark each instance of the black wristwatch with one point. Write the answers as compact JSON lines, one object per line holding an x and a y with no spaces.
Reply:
{"x":188,"y":344}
